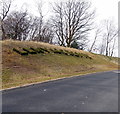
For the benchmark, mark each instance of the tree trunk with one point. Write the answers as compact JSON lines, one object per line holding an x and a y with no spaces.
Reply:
{"x":93,"y":44}
{"x":3,"y":32}
{"x":107,"y":49}
{"x":113,"y":48}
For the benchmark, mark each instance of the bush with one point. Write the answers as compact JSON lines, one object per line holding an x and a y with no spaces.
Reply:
{"x":20,"y":52}
{"x":85,"y":56}
{"x":71,"y":53}
{"x":30,"y":51}
{"x":38,"y":50}
{"x":64,"y":52}
{"x":24,"y":53}
{"x":76,"y":54}
{"x":57,"y":51}
{"x":44,"y":49}
{"x":33,"y":49}
{"x":75,"y":45}
{"x":61,"y":51}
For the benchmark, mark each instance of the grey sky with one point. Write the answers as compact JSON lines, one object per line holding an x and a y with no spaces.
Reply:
{"x":104,"y":8}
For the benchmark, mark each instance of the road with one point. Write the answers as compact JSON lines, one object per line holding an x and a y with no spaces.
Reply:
{"x":96,"y":92}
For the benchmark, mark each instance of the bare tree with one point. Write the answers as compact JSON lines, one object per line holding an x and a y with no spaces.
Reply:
{"x":110,"y":34}
{"x":39,"y":5}
{"x":113,"y":47}
{"x":102,"y":47}
{"x":40,"y":30}
{"x":72,"y":21}
{"x":46,"y":35}
{"x":97,"y":33}
{"x":5,"y":6}
{"x":17,"y":25}
{"x":34,"y":29}
{"x":58,"y":23}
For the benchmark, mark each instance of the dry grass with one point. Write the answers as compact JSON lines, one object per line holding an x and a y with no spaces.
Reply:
{"x":18,"y":70}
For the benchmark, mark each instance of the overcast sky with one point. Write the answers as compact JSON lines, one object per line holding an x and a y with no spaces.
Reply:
{"x":105,"y":9}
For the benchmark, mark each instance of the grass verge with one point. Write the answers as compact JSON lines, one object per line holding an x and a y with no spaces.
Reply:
{"x":18,"y":70}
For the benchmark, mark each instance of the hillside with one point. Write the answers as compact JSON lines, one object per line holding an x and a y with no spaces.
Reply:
{"x":28,"y":62}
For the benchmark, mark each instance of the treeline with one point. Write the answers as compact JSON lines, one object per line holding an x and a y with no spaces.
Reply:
{"x":70,"y":25}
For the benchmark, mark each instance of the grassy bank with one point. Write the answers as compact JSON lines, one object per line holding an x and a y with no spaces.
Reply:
{"x":55,"y":62}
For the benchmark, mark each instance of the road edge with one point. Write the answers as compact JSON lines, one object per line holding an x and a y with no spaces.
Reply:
{"x":32,"y":84}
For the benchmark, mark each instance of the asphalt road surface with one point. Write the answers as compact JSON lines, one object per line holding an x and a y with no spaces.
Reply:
{"x":96,"y":92}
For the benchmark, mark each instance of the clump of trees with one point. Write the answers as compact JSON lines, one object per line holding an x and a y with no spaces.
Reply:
{"x":107,"y":35}
{"x":20,"y":25}
{"x":16,"y":25}
{"x":69,"y":26}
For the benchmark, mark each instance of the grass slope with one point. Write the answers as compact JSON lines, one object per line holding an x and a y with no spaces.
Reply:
{"x":19,"y":70}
